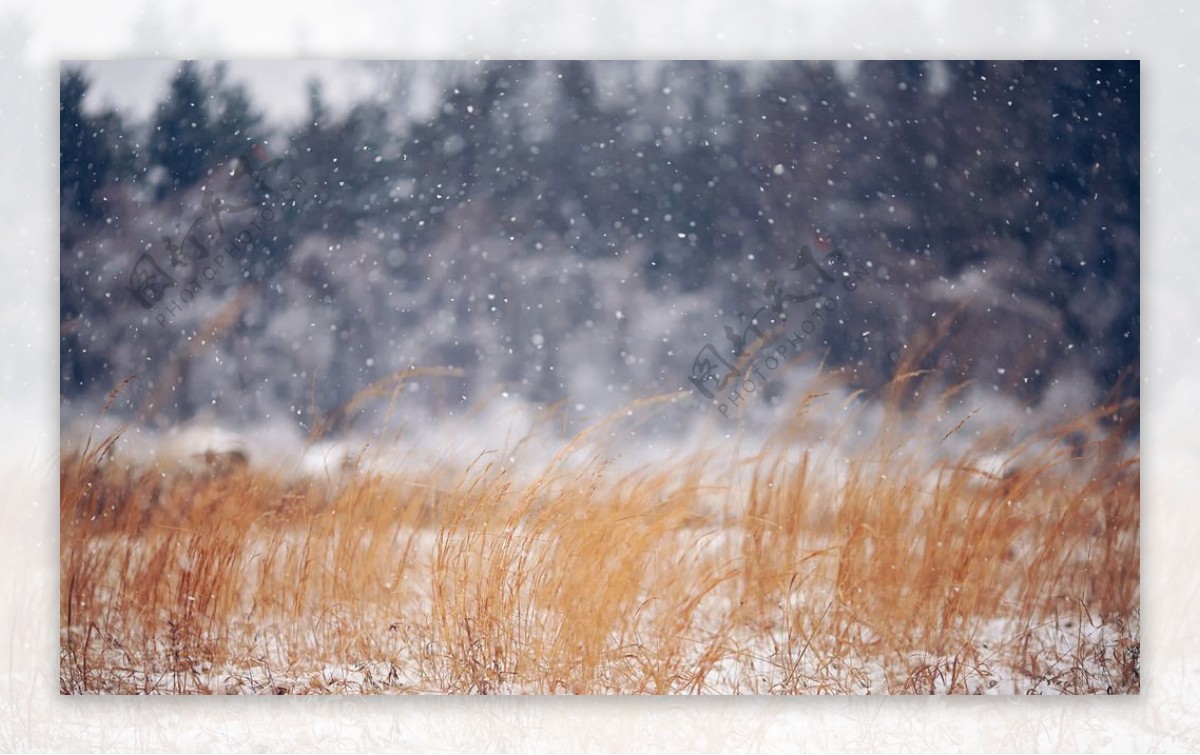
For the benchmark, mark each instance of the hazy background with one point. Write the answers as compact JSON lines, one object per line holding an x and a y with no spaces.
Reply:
{"x":579,"y":231}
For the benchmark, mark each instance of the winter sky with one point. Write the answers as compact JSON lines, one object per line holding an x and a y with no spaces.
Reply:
{"x":134,"y":87}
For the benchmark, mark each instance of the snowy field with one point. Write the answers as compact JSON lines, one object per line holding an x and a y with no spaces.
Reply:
{"x":884,"y":569}
{"x":601,"y":377}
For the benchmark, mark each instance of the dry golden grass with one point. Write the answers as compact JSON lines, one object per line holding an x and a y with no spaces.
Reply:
{"x":909,"y":573}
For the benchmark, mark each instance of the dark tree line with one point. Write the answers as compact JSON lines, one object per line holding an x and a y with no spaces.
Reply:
{"x":1005,"y":195}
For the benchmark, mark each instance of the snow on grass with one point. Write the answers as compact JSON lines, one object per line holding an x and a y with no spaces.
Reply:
{"x":787,"y":566}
